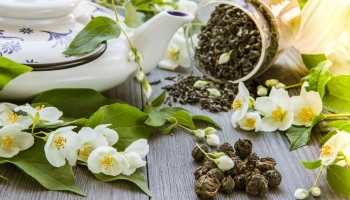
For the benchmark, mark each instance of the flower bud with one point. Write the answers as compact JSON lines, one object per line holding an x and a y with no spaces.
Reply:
{"x":214,"y":92}
{"x":133,"y":159}
{"x":213,"y":140}
{"x":146,"y":88}
{"x":139,"y":57}
{"x":131,"y":56}
{"x":199,"y":133}
{"x":316,"y":191}
{"x":199,"y":84}
{"x":262,"y":91}
{"x":210,"y":130}
{"x":271,"y":82}
{"x":301,"y":193}
{"x":280,"y":86}
{"x":140,"y":76}
{"x":225,"y":57}
{"x":224,"y":163}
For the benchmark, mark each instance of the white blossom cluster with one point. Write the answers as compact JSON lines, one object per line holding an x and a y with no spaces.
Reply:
{"x":278,"y":111}
{"x":92,"y":146}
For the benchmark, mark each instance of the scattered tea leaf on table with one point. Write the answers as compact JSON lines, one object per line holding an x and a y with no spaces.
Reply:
{"x":138,"y":178}
{"x":131,"y":19}
{"x":339,"y":179}
{"x":155,"y":118}
{"x":337,"y":96}
{"x":94,"y":33}
{"x":75,"y":103}
{"x":34,"y":164}
{"x":184,"y":118}
{"x":319,"y":76}
{"x":9,"y":70}
{"x":128,"y":121}
{"x":300,"y":135}
{"x":312,"y":60}
{"x":312,"y":165}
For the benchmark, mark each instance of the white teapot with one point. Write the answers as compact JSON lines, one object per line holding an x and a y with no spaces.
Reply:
{"x":36,"y":32}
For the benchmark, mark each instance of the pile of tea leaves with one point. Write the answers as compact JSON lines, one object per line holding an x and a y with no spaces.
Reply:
{"x":184,"y":92}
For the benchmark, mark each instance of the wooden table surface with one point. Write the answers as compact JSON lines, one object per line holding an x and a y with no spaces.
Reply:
{"x":170,"y":167}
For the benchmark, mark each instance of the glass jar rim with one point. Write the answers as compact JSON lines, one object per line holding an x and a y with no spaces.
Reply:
{"x":252,"y":17}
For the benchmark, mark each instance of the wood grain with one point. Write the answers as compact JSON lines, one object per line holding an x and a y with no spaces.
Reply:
{"x":170,"y":166}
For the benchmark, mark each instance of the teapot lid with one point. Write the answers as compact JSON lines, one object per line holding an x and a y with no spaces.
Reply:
{"x":36,"y":9}
{"x":36,"y":32}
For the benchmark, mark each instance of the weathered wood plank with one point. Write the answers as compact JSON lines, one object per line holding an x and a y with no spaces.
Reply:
{"x":170,"y":166}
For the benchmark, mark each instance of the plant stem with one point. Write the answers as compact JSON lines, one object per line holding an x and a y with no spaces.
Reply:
{"x":126,"y":36}
{"x":318,"y":177}
{"x":291,"y":86}
{"x":187,"y":129}
{"x":336,"y":115}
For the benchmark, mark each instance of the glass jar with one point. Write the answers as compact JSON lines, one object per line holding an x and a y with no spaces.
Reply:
{"x":247,"y":35}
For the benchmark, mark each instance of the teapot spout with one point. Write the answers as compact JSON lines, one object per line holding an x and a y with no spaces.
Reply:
{"x":153,"y":37}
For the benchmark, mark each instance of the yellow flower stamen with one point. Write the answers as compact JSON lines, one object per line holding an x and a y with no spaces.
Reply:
{"x":326,"y":151}
{"x":39,"y":107}
{"x":85,"y":151}
{"x":277,"y":115}
{"x":107,"y":161}
{"x":173,"y":54}
{"x":12,"y":118}
{"x":59,"y":142}
{"x":306,"y":114}
{"x":237,"y":104}
{"x":8,"y":142}
{"x":250,"y":123}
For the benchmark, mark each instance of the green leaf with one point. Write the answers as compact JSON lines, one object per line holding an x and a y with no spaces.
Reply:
{"x":339,"y":179}
{"x":171,"y":110}
{"x":94,"y":33}
{"x":66,"y":122}
{"x":319,"y":76}
{"x":159,"y":100}
{"x":128,"y":121}
{"x":327,"y":137}
{"x":302,"y":3}
{"x":131,"y":18}
{"x":9,"y":70}
{"x":312,"y":60}
{"x":312,"y":165}
{"x":75,"y":103}
{"x":300,"y":135}
{"x":173,"y":122}
{"x":337,"y":96}
{"x":345,"y":127}
{"x":336,"y":124}
{"x":184,"y":118}
{"x":138,"y":178}
{"x":155,"y":118}
{"x":34,"y":163}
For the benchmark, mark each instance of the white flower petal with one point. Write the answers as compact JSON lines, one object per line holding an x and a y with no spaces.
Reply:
{"x":315,"y":101}
{"x":281,"y":98}
{"x":87,"y":134}
{"x":225,"y":163}
{"x":243,"y":90}
{"x":235,"y":117}
{"x":265,"y":105}
{"x":184,"y":58}
{"x":110,"y":134}
{"x":50,"y":114}
{"x":140,"y":147}
{"x":269,"y":124}
{"x":287,"y":121}
{"x":128,"y":171}
{"x":8,"y":152}
{"x":213,"y":140}
{"x":134,"y":160}
{"x":168,"y":64}
{"x":23,"y":140}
